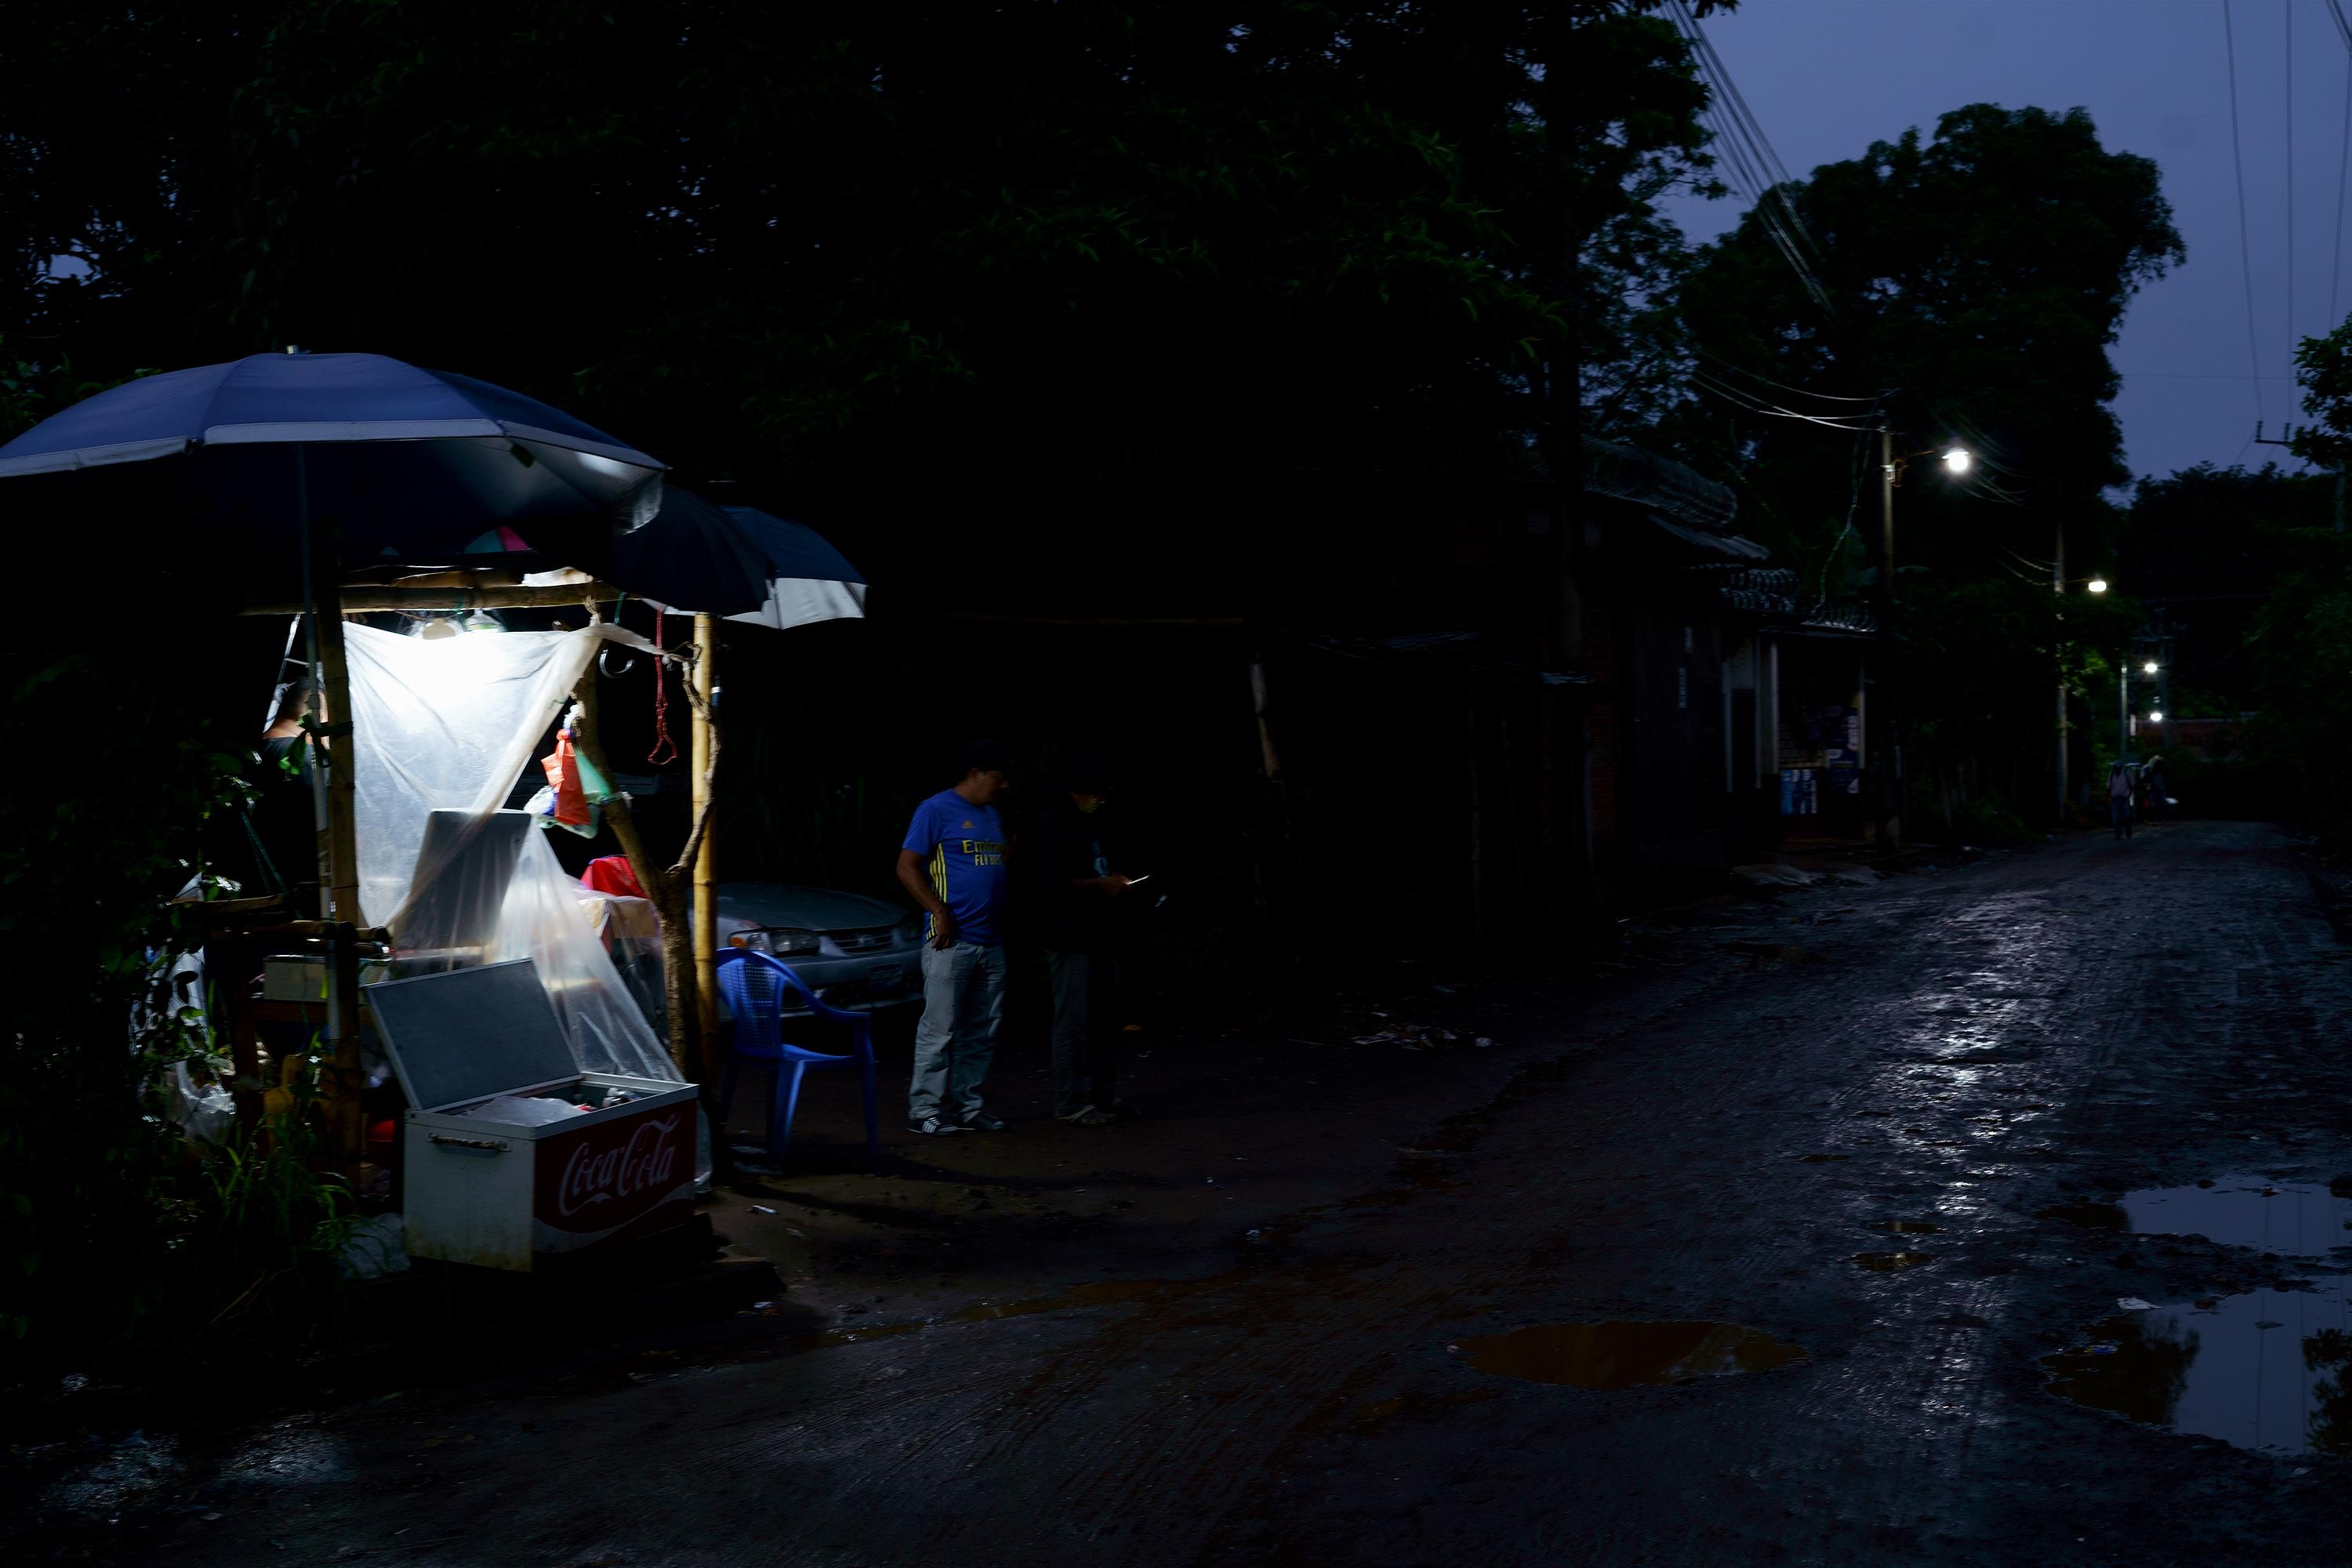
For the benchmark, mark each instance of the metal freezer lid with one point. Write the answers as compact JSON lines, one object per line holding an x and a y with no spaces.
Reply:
{"x":469,"y":1033}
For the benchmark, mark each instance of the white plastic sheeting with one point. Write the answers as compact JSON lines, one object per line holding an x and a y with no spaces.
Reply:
{"x":444,"y":723}
{"x":450,"y":725}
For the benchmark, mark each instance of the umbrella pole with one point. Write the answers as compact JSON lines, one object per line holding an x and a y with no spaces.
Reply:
{"x":706,"y":908}
{"x":339,"y":1089}
{"x":341,"y":1078}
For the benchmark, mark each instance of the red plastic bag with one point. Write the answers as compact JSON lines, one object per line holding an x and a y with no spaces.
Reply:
{"x":563,"y":778}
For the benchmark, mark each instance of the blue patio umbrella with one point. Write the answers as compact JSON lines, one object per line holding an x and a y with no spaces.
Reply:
{"x":731,"y":561}
{"x":379,"y":457}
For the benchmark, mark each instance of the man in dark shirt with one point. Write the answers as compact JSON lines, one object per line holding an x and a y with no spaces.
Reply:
{"x":1076,"y":890}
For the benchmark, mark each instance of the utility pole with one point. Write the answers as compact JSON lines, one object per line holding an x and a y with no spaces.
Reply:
{"x":1885,"y":518}
{"x":1883,"y":723}
{"x":2058,"y":587}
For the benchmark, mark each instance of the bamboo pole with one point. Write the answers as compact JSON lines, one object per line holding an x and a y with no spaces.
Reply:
{"x":706,"y":907}
{"x":341,"y":1075}
{"x":371,"y":597}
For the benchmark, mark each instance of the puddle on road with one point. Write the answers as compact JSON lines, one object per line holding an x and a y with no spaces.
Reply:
{"x":1626,"y":1354}
{"x":1892,"y":1262}
{"x":2299,"y":1219}
{"x":2269,"y":1370}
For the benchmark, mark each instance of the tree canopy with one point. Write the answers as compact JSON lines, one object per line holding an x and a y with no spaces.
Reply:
{"x":873,"y":260}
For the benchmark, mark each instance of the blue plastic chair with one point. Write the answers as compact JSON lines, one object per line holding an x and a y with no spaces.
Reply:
{"x":754,"y":984}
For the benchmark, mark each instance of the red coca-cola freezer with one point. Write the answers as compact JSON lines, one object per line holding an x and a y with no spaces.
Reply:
{"x":500,"y":1167}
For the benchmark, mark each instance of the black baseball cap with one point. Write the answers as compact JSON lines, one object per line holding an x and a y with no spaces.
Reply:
{"x":986,"y":757}
{"x":1089,"y":774}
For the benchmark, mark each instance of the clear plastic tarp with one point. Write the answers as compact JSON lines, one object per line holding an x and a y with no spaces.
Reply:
{"x":442,"y":730}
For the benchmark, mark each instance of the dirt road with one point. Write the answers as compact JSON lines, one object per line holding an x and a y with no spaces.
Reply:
{"x":1727,"y":1141}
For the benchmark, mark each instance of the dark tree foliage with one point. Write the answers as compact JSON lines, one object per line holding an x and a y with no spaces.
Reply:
{"x":897,"y":266}
{"x":1975,"y":279}
{"x":2205,"y":546}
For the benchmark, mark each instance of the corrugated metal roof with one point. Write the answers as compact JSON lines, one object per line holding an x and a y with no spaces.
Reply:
{"x":1730,"y":544}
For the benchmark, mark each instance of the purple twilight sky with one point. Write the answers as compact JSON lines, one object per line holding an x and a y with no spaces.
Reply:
{"x":1826,"y":78}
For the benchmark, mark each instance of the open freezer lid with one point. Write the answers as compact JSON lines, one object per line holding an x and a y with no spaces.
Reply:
{"x":469,"y":1033}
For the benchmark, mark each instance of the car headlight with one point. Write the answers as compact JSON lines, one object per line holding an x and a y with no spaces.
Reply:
{"x":789,"y":943}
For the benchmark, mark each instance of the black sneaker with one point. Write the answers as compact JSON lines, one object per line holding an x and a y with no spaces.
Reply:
{"x":932,"y":1126}
{"x":981,"y":1121}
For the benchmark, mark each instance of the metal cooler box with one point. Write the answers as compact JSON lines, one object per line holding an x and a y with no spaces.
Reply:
{"x":504,"y":1196}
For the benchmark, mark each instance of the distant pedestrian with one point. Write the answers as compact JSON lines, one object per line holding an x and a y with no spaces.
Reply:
{"x":1076,"y":890}
{"x":954,"y":863}
{"x":2153,"y":783}
{"x":2119,"y":797}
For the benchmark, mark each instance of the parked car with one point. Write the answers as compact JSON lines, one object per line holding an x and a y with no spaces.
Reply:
{"x":853,"y":950}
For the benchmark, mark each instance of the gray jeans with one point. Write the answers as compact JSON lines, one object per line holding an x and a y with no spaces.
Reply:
{"x":963,"y":997}
{"x":1086,"y":1031}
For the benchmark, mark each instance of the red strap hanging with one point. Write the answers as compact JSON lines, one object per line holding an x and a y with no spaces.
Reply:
{"x":664,"y":750}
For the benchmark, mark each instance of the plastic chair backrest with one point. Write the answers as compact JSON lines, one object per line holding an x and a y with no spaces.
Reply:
{"x":754,"y":984}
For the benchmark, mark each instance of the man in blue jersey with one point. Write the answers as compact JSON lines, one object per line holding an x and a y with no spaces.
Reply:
{"x":954,"y":863}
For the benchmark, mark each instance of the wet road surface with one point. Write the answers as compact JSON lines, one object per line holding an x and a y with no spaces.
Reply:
{"x":1637,"y":1307}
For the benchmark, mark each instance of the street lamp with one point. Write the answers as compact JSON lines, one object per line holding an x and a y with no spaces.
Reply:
{"x":2148,"y":669}
{"x":1956,"y":459}
{"x":2155,"y":715}
{"x":2098,"y":584}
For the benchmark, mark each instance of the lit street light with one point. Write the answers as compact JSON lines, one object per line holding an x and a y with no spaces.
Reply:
{"x":2155,"y":715}
{"x":2149,"y":668}
{"x":1957,"y":460}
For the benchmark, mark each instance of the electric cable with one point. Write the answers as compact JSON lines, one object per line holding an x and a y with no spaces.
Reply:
{"x":1731,"y":393}
{"x":1751,"y":155}
{"x":2290,"y":181}
{"x":2343,"y":165}
{"x":1782,"y":386}
{"x":2245,"y":245}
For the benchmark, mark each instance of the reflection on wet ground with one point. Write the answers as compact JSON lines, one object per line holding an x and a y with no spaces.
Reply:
{"x":1097,"y":1293}
{"x":1626,"y":1354}
{"x":2269,"y":1369}
{"x":1912,"y":1228}
{"x":1889,"y":1262}
{"x":2300,"y":1219}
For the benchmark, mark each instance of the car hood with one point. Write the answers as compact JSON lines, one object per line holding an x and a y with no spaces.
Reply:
{"x":743,"y":904}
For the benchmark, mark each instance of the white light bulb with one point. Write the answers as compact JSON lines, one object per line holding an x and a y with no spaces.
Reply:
{"x":1957,"y":460}
{"x":2098,"y":584}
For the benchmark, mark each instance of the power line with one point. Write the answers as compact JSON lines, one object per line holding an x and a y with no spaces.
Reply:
{"x":2245,"y":246}
{"x":1782,"y":386}
{"x":1750,"y":156}
{"x":2343,"y":166}
{"x":1732,"y":395}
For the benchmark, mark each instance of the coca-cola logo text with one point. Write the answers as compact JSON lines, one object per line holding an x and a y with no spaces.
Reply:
{"x":616,"y":1170}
